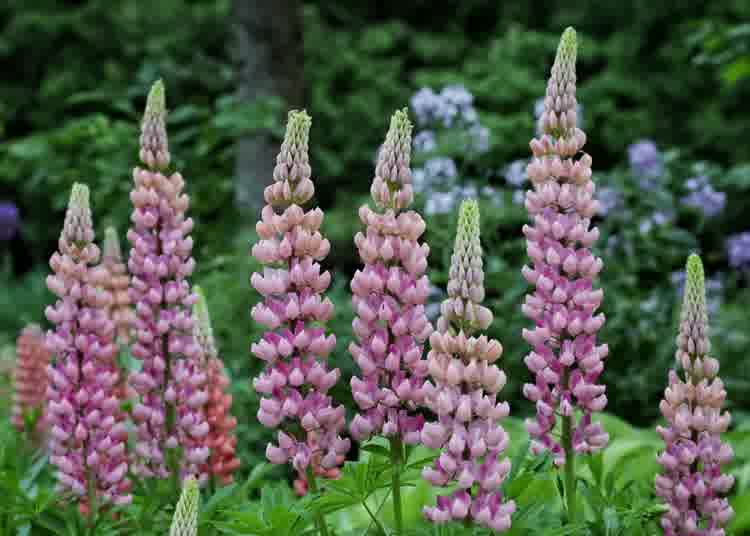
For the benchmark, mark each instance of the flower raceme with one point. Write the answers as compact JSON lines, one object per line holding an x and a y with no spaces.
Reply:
{"x":171,"y":385}
{"x":462,"y":393}
{"x":220,"y":439}
{"x":30,"y":378}
{"x":118,"y":283}
{"x":692,"y":482}
{"x":185,"y":518}
{"x":296,"y":379}
{"x":88,"y":435}
{"x":565,"y":358}
{"x":389,"y":296}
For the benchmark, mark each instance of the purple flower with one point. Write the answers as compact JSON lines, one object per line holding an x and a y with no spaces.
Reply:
{"x":738,"y":247}
{"x":462,"y":392}
{"x":565,"y":358}
{"x":479,"y":139}
{"x":704,"y":197}
{"x":9,"y":220}
{"x":515,"y":173}
{"x":609,"y":200}
{"x":296,"y":380}
{"x":87,"y":431}
{"x":646,"y":162}
{"x":171,"y":385}
{"x":692,"y":482}
{"x":454,"y":104}
{"x":457,"y":103}
{"x":425,"y":142}
{"x":427,"y":106}
{"x":389,"y":294}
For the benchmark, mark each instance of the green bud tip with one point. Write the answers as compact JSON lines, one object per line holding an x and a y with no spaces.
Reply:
{"x":468,"y":218}
{"x":568,"y":47}
{"x":155,"y":102}
{"x":695,"y":278}
{"x":298,"y":128}
{"x":400,"y":125}
{"x":79,"y":196}
{"x":185,"y":520}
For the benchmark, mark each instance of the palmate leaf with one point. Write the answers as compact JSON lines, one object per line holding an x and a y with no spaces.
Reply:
{"x":358,"y":481}
{"x":278,"y":512}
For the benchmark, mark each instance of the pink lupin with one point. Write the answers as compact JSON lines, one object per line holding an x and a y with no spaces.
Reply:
{"x":296,"y":380}
{"x":462,"y":392}
{"x":171,"y":384}
{"x":691,"y":481}
{"x":565,"y":357}
{"x":389,"y":296}
{"x":87,"y":432}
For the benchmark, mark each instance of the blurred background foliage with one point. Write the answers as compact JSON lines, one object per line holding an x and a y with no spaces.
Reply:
{"x":663,"y":87}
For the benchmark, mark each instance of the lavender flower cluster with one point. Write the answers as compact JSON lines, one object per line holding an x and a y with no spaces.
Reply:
{"x":738,"y":247}
{"x":703,"y":197}
{"x":450,"y":111}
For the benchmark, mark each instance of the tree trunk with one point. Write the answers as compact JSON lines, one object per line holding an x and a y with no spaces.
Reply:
{"x":268,"y":51}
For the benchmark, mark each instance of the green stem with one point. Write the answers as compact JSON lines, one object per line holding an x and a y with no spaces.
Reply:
{"x":397,"y":459}
{"x":319,"y":521}
{"x":570,"y":468}
{"x":374,"y":519}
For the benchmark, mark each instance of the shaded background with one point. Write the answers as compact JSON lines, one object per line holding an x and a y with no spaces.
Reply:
{"x":664,"y":89}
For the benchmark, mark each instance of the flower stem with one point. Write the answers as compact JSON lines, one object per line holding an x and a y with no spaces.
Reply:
{"x":319,"y":521}
{"x":570,"y":468}
{"x":397,"y":458}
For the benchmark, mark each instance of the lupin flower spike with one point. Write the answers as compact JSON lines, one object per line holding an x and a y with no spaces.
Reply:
{"x":296,"y":379}
{"x":88,"y":435}
{"x":154,"y":145}
{"x":30,"y":378}
{"x":389,"y":294}
{"x":565,"y":358}
{"x":171,"y":384}
{"x":691,"y":482}
{"x":185,"y":519}
{"x":117,"y":282}
{"x":462,"y":393}
{"x":220,"y":439}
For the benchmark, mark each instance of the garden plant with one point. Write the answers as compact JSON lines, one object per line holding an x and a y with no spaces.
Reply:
{"x":129,"y":417}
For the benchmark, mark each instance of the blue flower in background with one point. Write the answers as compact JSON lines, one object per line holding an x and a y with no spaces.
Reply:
{"x":609,"y":199}
{"x":515,"y":173}
{"x":479,"y":138}
{"x":426,"y":104}
{"x":445,"y":202}
{"x":425,"y":141}
{"x":457,"y":103}
{"x":704,"y":197}
{"x":738,"y":249}
{"x":438,"y":170}
{"x":454,"y":104}
{"x":646,"y":162}
{"x":9,"y":220}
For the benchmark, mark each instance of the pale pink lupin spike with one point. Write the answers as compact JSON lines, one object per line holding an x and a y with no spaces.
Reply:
{"x":691,"y":481}
{"x":389,"y":294}
{"x":296,"y":378}
{"x":171,"y":385}
{"x":87,"y":430}
{"x":462,"y":392}
{"x":565,"y":358}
